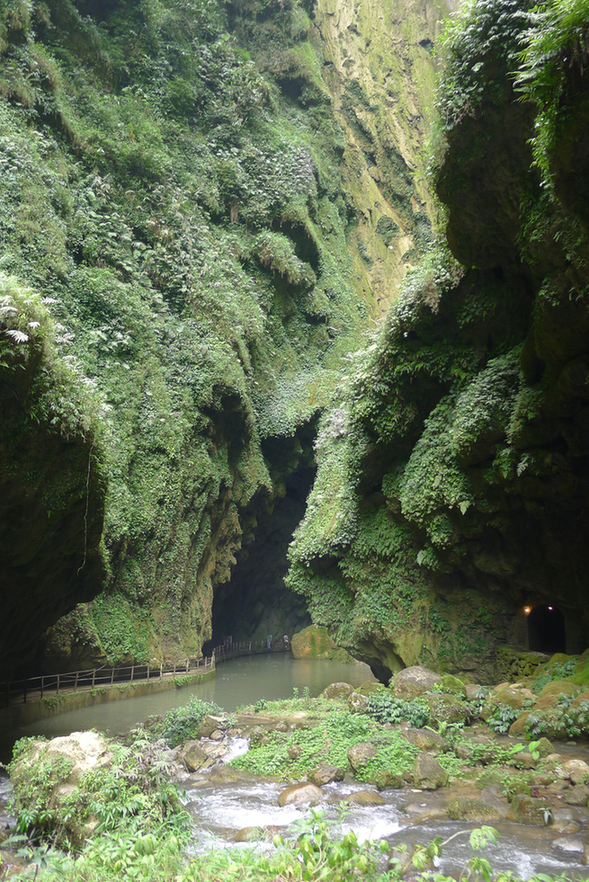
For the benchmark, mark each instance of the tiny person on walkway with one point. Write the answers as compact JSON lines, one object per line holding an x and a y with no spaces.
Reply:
{"x":285,"y":641}
{"x":269,"y":641}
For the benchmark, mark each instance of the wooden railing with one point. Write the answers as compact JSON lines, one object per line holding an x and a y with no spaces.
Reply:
{"x":17,"y":691}
{"x":96,"y":678}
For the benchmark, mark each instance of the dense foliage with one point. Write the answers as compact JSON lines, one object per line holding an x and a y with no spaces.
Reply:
{"x":449,"y":470}
{"x":178,"y":208}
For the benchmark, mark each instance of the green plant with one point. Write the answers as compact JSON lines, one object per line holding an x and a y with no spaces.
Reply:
{"x":502,"y":718}
{"x":260,"y":705}
{"x":385,"y":708}
{"x":181,"y":724}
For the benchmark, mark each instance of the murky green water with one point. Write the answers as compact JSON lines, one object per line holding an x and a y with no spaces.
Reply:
{"x":238,"y":682}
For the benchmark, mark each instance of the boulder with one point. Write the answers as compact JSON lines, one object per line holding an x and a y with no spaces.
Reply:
{"x":326,"y":774}
{"x":426,"y":740}
{"x":569,"y":845}
{"x":428,"y":773}
{"x":359,"y":755}
{"x":194,"y":756}
{"x":577,"y":771}
{"x":545,"y":748}
{"x":528,"y":810}
{"x":312,"y":642}
{"x":337,"y":690}
{"x":61,"y":766}
{"x":577,"y":795}
{"x":446,"y":708}
{"x":464,"y":808}
{"x":210,"y":724}
{"x":450,"y":683}
{"x":413,"y":681}
{"x":300,"y":794}
{"x":382,"y":780}
{"x":365,"y":797}
{"x":258,"y":737}
{"x":357,"y":703}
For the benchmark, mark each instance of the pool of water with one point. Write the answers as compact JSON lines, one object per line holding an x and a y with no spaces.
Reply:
{"x":237,"y":683}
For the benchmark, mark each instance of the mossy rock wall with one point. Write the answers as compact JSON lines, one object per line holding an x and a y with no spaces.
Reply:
{"x":177,"y":186}
{"x":452,"y":471}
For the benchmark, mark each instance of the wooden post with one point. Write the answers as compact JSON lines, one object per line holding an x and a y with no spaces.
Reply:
{"x":132,"y":672}
{"x":58,"y":684}
{"x":148,"y":673}
{"x":42,"y":684}
{"x":76,"y":682}
{"x":93,"y":677}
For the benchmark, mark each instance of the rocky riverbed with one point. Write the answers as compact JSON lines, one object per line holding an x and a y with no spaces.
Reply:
{"x":405,"y":764}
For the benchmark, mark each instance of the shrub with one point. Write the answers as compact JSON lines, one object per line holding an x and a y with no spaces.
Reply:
{"x":385,"y":708}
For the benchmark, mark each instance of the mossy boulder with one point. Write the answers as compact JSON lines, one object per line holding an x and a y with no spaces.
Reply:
{"x":47,"y":778}
{"x":446,"y":708}
{"x":526,"y":809}
{"x":428,"y":774}
{"x":451,"y":684}
{"x":465,"y":808}
{"x":413,"y":681}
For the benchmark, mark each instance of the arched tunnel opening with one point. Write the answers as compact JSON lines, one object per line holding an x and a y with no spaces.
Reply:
{"x":255,"y":602}
{"x":546,"y":629}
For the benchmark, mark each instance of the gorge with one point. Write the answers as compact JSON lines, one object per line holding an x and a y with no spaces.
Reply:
{"x":208,"y":210}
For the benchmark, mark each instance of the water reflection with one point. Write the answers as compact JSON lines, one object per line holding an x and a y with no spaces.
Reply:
{"x":237,"y":683}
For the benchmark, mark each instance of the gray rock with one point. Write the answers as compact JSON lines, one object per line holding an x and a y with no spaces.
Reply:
{"x":337,"y":690}
{"x":577,"y":771}
{"x":428,"y":773}
{"x":365,"y":797}
{"x":426,"y":740}
{"x":577,"y":795}
{"x":300,"y":794}
{"x":194,"y":756}
{"x":360,"y":754}
{"x":569,"y":845}
{"x":209,"y":724}
{"x":326,"y":774}
{"x":357,"y":703}
{"x":529,"y":810}
{"x":413,"y":681}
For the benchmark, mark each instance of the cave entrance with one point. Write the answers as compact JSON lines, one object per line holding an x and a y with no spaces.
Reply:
{"x":546,"y":629}
{"x":255,"y":602}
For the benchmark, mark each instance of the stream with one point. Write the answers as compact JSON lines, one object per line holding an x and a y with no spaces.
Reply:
{"x":221,"y":810}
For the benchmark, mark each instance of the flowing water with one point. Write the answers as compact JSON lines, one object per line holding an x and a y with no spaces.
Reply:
{"x":221,"y":810}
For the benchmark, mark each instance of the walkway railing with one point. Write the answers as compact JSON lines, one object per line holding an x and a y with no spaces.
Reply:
{"x":96,"y":678}
{"x":17,"y":691}
{"x":247,"y":647}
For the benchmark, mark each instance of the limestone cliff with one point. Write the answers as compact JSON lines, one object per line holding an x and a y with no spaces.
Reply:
{"x":452,"y":479}
{"x":211,"y":214}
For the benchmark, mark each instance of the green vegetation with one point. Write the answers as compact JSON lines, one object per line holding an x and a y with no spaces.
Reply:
{"x":181,"y":724}
{"x":446,"y":469}
{"x":174,"y":225}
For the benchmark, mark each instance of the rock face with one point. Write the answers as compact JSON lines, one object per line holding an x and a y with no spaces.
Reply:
{"x":210,"y":328}
{"x":447,"y":520}
{"x":313,"y":642}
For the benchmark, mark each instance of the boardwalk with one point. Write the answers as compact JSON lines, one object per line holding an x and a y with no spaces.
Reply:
{"x":19,"y":691}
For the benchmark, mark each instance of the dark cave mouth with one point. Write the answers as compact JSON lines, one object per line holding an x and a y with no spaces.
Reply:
{"x":255,"y":602}
{"x":546,"y":629}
